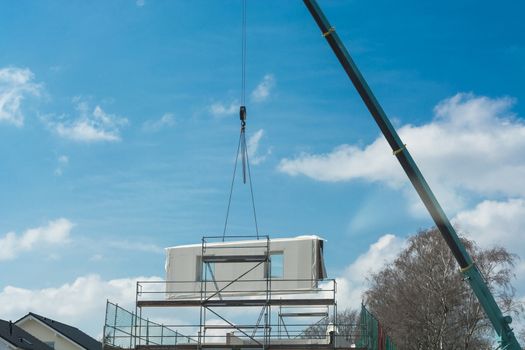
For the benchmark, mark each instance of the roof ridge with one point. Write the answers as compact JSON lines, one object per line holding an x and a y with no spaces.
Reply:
{"x":52,"y":320}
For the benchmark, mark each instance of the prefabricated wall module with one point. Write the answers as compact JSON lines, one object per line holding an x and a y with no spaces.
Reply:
{"x":244,"y":268}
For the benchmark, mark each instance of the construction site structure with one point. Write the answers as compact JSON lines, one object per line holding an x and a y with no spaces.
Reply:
{"x":253,"y":306}
{"x":261,"y":336}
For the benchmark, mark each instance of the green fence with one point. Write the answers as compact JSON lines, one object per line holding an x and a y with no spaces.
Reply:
{"x":373,"y":336}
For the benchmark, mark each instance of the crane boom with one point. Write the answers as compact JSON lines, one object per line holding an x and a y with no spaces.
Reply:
{"x":469,"y":269}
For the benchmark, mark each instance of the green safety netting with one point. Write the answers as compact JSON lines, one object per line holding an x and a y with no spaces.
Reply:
{"x":372,"y":334}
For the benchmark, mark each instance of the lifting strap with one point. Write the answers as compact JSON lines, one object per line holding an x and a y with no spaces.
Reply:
{"x":242,"y":150}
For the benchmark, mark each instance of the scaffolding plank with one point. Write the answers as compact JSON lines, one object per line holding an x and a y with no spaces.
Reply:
{"x":233,"y":302}
{"x":168,"y":303}
{"x":234,"y":258}
{"x":303,"y":314}
{"x":243,"y":346}
{"x":218,"y":326}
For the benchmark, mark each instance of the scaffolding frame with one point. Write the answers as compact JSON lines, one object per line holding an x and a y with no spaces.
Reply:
{"x":278,"y":319}
{"x":205,"y":299}
{"x":211,"y":301}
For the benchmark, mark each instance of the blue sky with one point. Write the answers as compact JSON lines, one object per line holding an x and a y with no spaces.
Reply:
{"x":119,"y":124}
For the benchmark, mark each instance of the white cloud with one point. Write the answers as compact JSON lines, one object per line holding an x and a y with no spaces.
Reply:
{"x":263,"y":89}
{"x":15,"y":85}
{"x":62,"y":161}
{"x":495,"y":223}
{"x":136,"y":246}
{"x":90,"y":126}
{"x":253,"y":146}
{"x":80,"y":303}
{"x":345,"y":163}
{"x":166,"y":121}
{"x":219,"y":109}
{"x":56,"y":232}
{"x":140,"y":3}
{"x":54,"y":257}
{"x":96,"y":257}
{"x":473,"y":145}
{"x":352,"y":284}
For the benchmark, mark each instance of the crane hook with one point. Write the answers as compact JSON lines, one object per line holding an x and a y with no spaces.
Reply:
{"x":242,"y":115}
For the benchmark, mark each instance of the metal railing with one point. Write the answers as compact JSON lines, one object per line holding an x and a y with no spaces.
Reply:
{"x":226,"y":289}
{"x":125,"y":330}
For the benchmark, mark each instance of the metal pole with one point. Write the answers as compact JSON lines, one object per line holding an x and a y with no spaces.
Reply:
{"x":131,"y":331}
{"x":336,"y":329}
{"x":105,"y":325}
{"x":468,"y":267}
{"x":147,"y":331}
{"x":199,"y":335}
{"x":115,"y":323}
{"x":140,"y":326}
{"x":267,"y":319}
{"x":134,"y":317}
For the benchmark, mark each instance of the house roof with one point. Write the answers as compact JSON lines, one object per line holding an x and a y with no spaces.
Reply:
{"x":20,"y":338}
{"x":70,"y":332}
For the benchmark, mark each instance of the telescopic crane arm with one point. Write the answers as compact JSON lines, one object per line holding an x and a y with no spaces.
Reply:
{"x":469,"y":269}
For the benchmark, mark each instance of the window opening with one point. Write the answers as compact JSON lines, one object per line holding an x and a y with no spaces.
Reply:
{"x":208,"y":272}
{"x":276,"y":265}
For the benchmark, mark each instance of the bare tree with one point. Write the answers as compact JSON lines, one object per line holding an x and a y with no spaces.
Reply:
{"x":347,"y":325}
{"x":423,"y":302}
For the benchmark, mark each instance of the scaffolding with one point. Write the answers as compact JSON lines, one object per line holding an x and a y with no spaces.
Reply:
{"x":263,"y":300}
{"x":124,"y":329}
{"x":255,"y":309}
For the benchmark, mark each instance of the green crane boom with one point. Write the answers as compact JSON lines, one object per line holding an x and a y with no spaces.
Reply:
{"x":468,"y":267}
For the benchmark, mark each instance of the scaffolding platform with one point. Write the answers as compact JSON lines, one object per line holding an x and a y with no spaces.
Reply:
{"x":245,"y":346}
{"x":233,"y":258}
{"x":234,"y":302}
